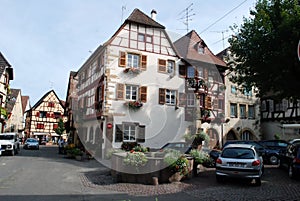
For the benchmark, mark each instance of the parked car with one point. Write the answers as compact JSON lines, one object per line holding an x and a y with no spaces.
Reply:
{"x":183,"y":147}
{"x":270,"y":156}
{"x":294,"y":141}
{"x":290,"y":160}
{"x":31,"y":143}
{"x":240,"y":161}
{"x":10,"y":143}
{"x":275,"y":144}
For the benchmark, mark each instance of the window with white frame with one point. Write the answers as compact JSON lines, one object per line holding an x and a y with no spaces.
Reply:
{"x":190,"y":99}
{"x":129,"y":132}
{"x":131,"y":92}
{"x":170,"y":97}
{"x":133,"y":60}
{"x":171,"y":66}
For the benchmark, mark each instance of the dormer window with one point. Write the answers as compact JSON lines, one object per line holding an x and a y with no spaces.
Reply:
{"x":200,"y":49}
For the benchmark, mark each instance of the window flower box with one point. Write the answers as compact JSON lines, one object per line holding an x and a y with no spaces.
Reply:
{"x":134,"y":105}
{"x":131,"y":70}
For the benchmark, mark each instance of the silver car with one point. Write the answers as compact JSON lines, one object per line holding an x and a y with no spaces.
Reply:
{"x":31,"y":143}
{"x":240,"y":161}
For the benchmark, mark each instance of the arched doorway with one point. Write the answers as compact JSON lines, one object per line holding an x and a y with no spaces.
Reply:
{"x":247,"y":135}
{"x":214,"y":138}
{"x":231,"y":135}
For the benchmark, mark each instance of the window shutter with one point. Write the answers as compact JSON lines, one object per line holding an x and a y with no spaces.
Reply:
{"x":119,"y":133}
{"x":182,"y":100}
{"x":144,"y":62}
{"x":162,"y":96}
{"x":143,"y":94}
{"x":47,"y":114}
{"x":122,"y":59}
{"x":141,"y":134}
{"x":208,"y":102}
{"x":120,"y":91}
{"x":205,"y":74}
{"x":162,"y":65}
{"x":182,"y":70}
{"x":37,"y":114}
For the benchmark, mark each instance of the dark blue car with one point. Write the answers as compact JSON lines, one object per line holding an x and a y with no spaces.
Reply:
{"x":270,"y":156}
{"x":290,"y":160}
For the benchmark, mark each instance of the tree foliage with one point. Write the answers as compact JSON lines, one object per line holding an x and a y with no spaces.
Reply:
{"x":61,"y":127}
{"x":265,"y":49}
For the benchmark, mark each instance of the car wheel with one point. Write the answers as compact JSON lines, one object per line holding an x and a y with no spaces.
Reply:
{"x":273,"y":160}
{"x":13,"y":152}
{"x":258,"y":182}
{"x":291,"y":172}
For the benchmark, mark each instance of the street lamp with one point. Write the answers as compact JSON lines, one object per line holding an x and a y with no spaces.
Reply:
{"x":222,"y":132}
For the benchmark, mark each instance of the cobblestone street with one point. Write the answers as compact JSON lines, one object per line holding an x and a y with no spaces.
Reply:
{"x":276,"y":185}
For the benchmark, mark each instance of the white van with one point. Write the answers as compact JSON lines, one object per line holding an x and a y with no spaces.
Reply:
{"x":10,"y":143}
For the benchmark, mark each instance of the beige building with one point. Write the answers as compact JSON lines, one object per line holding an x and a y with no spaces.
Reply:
{"x":241,"y":109}
{"x":15,"y":113}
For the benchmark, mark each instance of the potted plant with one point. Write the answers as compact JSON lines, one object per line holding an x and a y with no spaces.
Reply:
{"x":134,"y":105}
{"x":178,"y":164}
{"x":132,"y":70}
{"x":135,"y":159}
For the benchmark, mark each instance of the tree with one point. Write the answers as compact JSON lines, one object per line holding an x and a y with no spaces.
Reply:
{"x":265,"y":50}
{"x":61,"y":127}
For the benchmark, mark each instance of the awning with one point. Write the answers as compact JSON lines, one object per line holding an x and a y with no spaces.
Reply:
{"x":52,"y":134}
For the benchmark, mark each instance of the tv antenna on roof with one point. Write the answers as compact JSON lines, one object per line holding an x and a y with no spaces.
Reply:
{"x":222,"y":31}
{"x":187,"y":16}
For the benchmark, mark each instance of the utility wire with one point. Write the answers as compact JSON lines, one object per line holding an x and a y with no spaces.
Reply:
{"x":223,"y":16}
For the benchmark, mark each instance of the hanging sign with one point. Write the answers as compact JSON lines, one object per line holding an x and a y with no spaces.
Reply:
{"x":109,"y":125}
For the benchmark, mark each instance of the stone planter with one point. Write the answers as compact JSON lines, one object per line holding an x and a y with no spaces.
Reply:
{"x":176,"y":177}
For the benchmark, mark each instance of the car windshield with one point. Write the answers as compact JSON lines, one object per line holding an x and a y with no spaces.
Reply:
{"x":238,"y":153}
{"x":6,"y":137}
{"x":31,"y":140}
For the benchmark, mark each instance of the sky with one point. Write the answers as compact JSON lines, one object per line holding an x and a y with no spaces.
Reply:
{"x":44,"y":40}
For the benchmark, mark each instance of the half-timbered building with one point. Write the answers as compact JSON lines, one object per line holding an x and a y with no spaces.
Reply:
{"x":42,"y":119}
{"x":128,"y":89}
{"x":204,"y":86}
{"x":6,"y":75}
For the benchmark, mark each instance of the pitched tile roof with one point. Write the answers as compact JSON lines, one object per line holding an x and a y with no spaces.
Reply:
{"x":141,"y":18}
{"x":25,"y":100}
{"x":12,"y":99}
{"x":187,"y":47}
{"x":3,"y":63}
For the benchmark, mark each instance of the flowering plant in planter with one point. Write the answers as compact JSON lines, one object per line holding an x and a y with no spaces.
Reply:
{"x":131,"y":69}
{"x":134,"y":104}
{"x":177,"y":162}
{"x":135,"y":159}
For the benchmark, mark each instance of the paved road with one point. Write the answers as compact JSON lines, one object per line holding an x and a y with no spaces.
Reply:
{"x":45,"y":175}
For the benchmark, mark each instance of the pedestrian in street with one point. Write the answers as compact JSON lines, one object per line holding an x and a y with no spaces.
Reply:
{"x":60,"y":145}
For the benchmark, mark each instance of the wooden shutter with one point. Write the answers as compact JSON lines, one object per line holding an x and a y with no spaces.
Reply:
{"x":205,"y":74}
{"x":182,"y":70}
{"x":120,"y":91}
{"x":162,"y":65}
{"x":208,"y":102}
{"x":143,"y":94}
{"x":119,"y":133}
{"x":141,"y":134}
{"x":37,"y":114}
{"x":182,"y":100}
{"x":122,"y":59}
{"x":144,"y":62}
{"x":162,"y":96}
{"x":47,"y":114}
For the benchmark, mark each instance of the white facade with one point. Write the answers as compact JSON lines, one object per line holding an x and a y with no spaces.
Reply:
{"x":138,"y":64}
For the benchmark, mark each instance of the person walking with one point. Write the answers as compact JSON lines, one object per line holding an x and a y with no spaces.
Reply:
{"x":60,"y":145}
